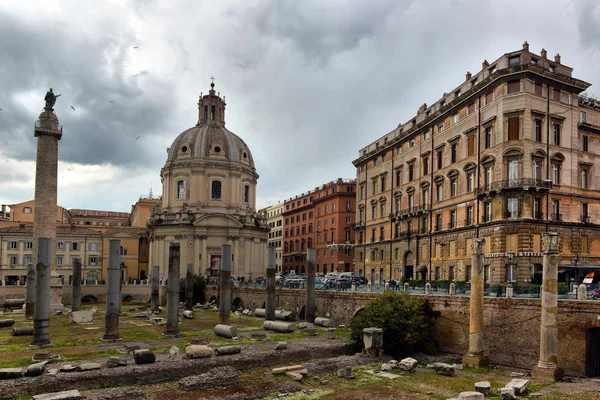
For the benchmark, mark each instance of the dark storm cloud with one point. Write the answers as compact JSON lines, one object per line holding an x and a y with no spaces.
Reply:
{"x":111,"y":108}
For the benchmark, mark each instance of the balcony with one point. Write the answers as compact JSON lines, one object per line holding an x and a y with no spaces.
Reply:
{"x":411,"y":211}
{"x":358,"y":225}
{"x":514,"y":184}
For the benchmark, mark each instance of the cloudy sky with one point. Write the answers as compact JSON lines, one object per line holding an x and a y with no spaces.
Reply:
{"x":307,"y":83}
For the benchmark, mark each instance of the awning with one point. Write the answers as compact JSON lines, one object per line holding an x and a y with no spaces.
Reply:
{"x":421,"y":268}
{"x":579,"y":266}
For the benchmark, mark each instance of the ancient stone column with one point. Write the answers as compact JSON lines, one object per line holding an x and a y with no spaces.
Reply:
{"x":172,"y":326}
{"x":309,"y":312}
{"x":547,"y":368}
{"x":30,"y":294}
{"x":154,"y":294}
{"x":48,"y":132}
{"x":41,"y":317}
{"x":76,"y":286}
{"x":113,"y":292}
{"x":475,"y":356}
{"x":271,"y":271}
{"x":189,"y":287}
{"x":225,"y":285}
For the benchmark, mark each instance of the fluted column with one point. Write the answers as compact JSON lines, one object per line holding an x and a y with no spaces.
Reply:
{"x":225,"y":285}
{"x":309,"y":312}
{"x":547,"y":366}
{"x":113,"y":292}
{"x":475,"y":356}
{"x":172,"y":326}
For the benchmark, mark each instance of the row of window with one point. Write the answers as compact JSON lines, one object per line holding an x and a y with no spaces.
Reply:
{"x":303,"y":230}
{"x":75,"y":246}
{"x":298,"y":203}
{"x":215,"y":192}
{"x":14,"y":260}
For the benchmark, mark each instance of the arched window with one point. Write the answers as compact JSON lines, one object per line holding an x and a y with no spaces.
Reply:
{"x":180,"y":190}
{"x":216,"y":190}
{"x":205,"y":113}
{"x":212,"y":112}
{"x":246,"y":194}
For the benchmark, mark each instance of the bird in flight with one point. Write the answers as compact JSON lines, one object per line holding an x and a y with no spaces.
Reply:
{"x":136,"y":47}
{"x":73,"y":108}
{"x":0,"y":109}
{"x":111,"y":101}
{"x":136,"y":138}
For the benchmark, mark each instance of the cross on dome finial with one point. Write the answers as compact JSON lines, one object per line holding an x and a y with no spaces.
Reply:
{"x":212,"y":84}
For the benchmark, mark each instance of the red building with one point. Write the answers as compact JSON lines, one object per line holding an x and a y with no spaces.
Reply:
{"x":321,"y":219}
{"x":335,"y":207}
{"x":298,"y":227}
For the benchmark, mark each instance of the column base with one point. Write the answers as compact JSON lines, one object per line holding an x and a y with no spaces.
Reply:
{"x":547,"y":374}
{"x":111,"y":338}
{"x":171,"y":333}
{"x":475,"y":361}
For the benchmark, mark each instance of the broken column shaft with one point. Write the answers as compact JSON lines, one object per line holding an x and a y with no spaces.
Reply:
{"x":30,"y":293}
{"x":172,"y":326}
{"x":271,"y":271}
{"x":189,"y":287}
{"x":154,"y":295}
{"x":309,"y":314}
{"x":547,"y":366}
{"x":41,"y":319}
{"x":76,"y":286}
{"x":113,"y":292}
{"x":225,"y":285}
{"x":475,"y":356}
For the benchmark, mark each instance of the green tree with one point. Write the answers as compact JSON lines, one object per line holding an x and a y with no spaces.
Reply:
{"x":404,"y":320}
{"x":199,"y":289}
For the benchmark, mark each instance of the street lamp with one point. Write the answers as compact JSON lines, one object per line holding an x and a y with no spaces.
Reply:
{"x":511,"y":271}
{"x":574,"y":261}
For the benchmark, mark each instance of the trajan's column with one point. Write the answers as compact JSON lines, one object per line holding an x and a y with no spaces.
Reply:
{"x":48,"y":132}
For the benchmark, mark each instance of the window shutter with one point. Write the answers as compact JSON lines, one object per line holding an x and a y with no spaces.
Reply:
{"x":471,"y":144}
{"x":513,"y":128}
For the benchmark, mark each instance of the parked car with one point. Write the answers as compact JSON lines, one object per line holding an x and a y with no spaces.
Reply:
{"x":360,"y":280}
{"x":343,"y":282}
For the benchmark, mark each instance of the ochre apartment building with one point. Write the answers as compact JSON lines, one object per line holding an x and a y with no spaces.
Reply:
{"x":507,"y":155}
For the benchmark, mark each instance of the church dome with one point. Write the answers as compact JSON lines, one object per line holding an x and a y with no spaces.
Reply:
{"x":209,"y":140}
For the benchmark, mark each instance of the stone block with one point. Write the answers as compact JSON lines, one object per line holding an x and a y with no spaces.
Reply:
{"x":508,"y":393}
{"x":22,"y":331}
{"x":81,"y":317}
{"x":114,"y":362}
{"x":471,"y":396}
{"x":281,"y":346}
{"x":216,"y":377}
{"x":10,"y":373}
{"x":89,"y":366}
{"x":198,"y":351}
{"x":295,"y":375}
{"x":408,"y":364}
{"x":68,"y":368}
{"x":174,"y":354}
{"x":443,"y":369}
{"x":520,"y":385}
{"x":36,"y":369}
{"x":228,"y":350}
{"x":188,"y":314}
{"x":386,"y":367}
{"x":68,"y":395}
{"x":289,"y":368}
{"x":144,"y":356}
{"x":483,"y":387}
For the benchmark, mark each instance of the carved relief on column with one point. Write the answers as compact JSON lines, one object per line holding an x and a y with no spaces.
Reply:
{"x":550,"y":242}
{"x":478,"y":246}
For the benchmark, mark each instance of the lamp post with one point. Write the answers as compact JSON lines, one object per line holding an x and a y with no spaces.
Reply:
{"x":511,"y":272}
{"x":574,"y":261}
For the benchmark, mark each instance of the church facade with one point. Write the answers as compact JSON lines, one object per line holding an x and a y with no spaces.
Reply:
{"x":209,"y":199}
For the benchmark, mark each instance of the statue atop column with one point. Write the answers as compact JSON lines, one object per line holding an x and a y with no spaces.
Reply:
{"x":50,"y":100}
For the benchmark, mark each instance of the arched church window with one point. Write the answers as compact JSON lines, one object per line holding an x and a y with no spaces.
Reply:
{"x":212,"y":112}
{"x":216,"y":190}
{"x":246,"y":194}
{"x":205,"y":113}
{"x":180,"y":190}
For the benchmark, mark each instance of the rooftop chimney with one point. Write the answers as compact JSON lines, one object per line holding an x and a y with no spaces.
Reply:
{"x":485,"y":64}
{"x":526,"y":46}
{"x":422,"y":108}
{"x":544,"y":53}
{"x":468,"y":76}
{"x":557,"y":58}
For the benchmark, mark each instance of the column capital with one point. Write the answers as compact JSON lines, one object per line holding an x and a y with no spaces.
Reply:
{"x":478,"y":246}
{"x":550,"y":242}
